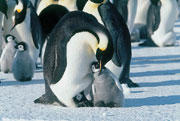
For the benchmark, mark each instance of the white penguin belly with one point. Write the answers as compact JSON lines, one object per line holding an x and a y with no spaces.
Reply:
{"x":77,"y":76}
{"x":24,"y":30}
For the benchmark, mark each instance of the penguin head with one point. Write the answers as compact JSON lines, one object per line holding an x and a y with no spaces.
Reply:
{"x":21,"y":46}
{"x":95,"y":67}
{"x":20,"y":12}
{"x":98,"y":1}
{"x":4,"y":7}
{"x":9,"y":38}
{"x":103,"y":55}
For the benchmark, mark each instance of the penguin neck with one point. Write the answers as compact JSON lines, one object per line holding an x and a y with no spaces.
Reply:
{"x":45,"y":3}
{"x":69,"y":4}
{"x":92,"y":8}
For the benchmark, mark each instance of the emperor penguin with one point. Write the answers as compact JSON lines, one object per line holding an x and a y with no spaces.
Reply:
{"x":107,"y":14}
{"x":8,"y":53}
{"x":23,"y":66}
{"x":152,"y":23}
{"x":107,"y":91}
{"x":27,"y":24}
{"x":76,"y":41}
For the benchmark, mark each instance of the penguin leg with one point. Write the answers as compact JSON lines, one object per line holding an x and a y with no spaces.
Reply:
{"x":66,"y":95}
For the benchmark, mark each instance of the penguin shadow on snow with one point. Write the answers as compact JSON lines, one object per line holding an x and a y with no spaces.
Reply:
{"x":152,"y":101}
{"x":163,"y":83}
{"x":155,"y":60}
{"x":155,"y":73}
{"x":4,"y":82}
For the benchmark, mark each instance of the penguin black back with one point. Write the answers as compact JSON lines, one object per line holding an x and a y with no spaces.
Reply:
{"x":153,"y":18}
{"x":50,"y":16}
{"x":121,"y":6}
{"x":80,"y":4}
{"x":117,"y":27}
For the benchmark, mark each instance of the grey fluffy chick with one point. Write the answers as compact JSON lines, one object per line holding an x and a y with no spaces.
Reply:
{"x":23,"y":65}
{"x":107,"y":91}
{"x":8,"y":53}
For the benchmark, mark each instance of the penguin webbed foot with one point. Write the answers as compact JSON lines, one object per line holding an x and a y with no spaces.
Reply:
{"x":44,"y":100}
{"x":81,"y":101}
{"x":130,"y":83}
{"x":103,"y":104}
{"x":148,"y":43}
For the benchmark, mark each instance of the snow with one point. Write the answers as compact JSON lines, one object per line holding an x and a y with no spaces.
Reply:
{"x":156,"y":70}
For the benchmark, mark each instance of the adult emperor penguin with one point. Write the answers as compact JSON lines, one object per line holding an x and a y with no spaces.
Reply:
{"x":23,"y":66}
{"x":27,"y":24}
{"x":107,"y":14}
{"x":152,"y":23}
{"x":107,"y":91}
{"x":8,"y":53}
{"x":76,"y":41}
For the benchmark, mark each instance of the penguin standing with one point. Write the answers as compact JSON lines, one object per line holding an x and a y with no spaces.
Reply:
{"x":8,"y":53}
{"x":107,"y":14}
{"x":23,"y":66}
{"x":27,"y":24}
{"x":107,"y":91}
{"x":75,"y":42}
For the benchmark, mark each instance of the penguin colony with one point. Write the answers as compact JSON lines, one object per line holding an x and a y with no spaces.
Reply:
{"x":84,"y":46}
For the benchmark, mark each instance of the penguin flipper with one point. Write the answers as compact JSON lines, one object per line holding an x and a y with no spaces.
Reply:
{"x":3,"y":7}
{"x":36,"y":29}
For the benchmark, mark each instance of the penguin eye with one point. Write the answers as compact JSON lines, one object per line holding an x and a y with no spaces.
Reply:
{"x":20,"y":47}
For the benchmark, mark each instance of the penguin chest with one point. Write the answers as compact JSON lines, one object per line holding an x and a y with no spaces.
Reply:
{"x":80,"y":54}
{"x":94,"y":11}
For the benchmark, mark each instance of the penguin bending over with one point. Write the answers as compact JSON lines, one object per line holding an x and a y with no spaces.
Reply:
{"x":75,"y":42}
{"x":8,"y":53}
{"x":27,"y":24}
{"x":107,"y":14}
{"x":23,"y":66}
{"x":107,"y":91}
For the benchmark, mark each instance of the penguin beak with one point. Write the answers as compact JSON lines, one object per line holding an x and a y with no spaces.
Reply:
{"x":100,"y":66}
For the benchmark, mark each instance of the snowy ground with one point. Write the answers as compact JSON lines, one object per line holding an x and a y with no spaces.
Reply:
{"x":156,"y":70}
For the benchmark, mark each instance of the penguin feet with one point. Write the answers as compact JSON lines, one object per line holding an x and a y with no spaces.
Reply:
{"x":45,"y":100}
{"x":24,"y":79}
{"x":130,"y":83}
{"x":103,"y":104}
{"x":81,"y":101}
{"x":148,"y":43}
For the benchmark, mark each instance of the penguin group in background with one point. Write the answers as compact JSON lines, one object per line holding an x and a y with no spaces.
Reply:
{"x":107,"y":14}
{"x":107,"y":91}
{"x":27,"y":24}
{"x":76,"y":41}
{"x":23,"y":66}
{"x":8,"y":53}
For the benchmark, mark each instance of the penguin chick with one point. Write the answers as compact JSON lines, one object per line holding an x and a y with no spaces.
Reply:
{"x":107,"y":91}
{"x":23,"y":66}
{"x":8,"y":53}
